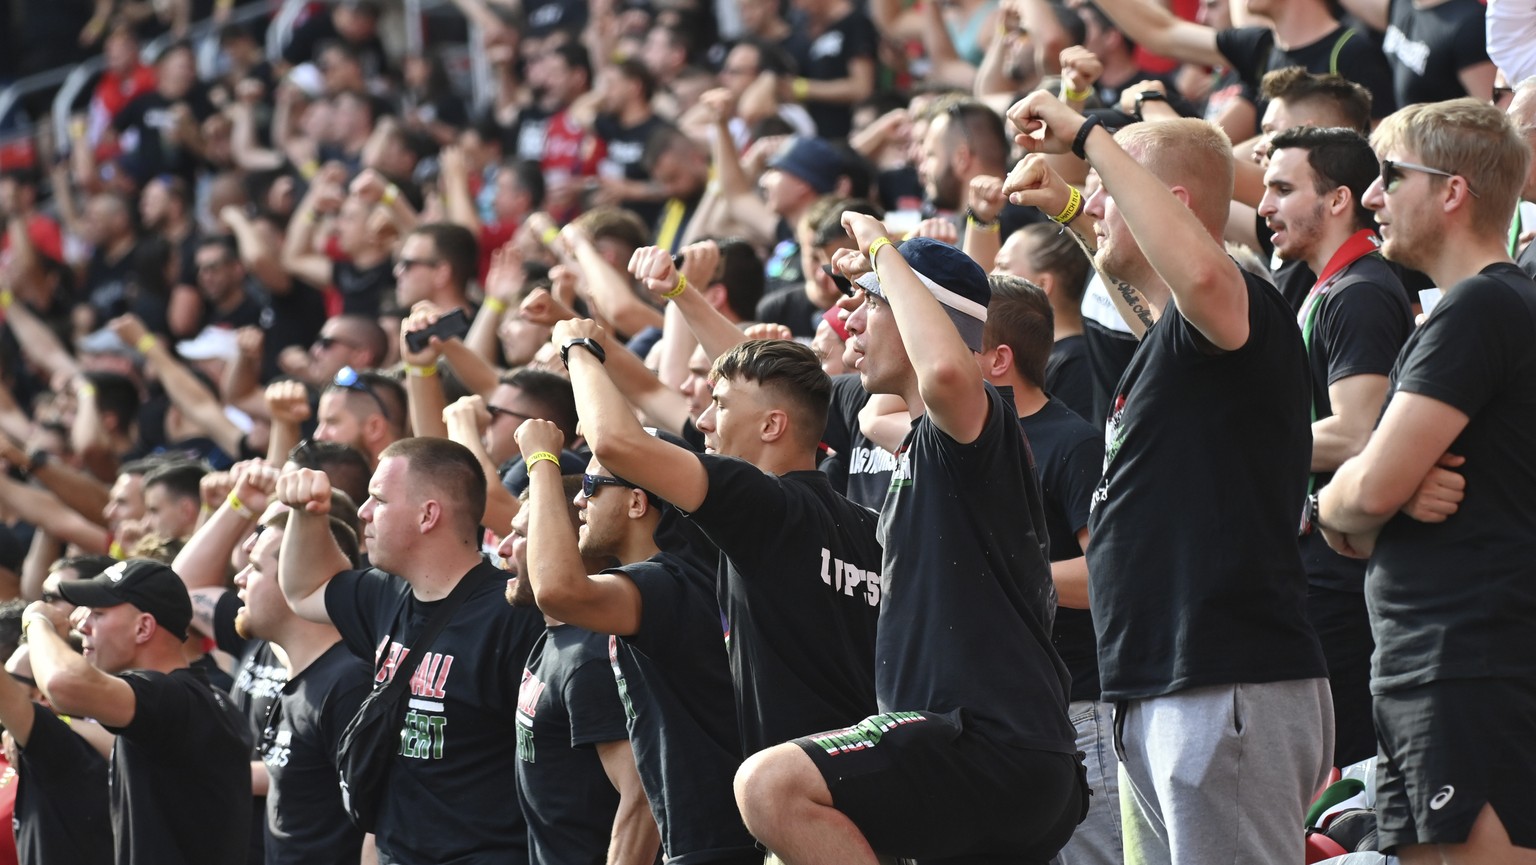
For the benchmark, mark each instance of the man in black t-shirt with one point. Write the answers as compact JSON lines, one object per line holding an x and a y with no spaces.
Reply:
{"x":833,"y":45}
{"x":668,"y":652}
{"x":972,"y":697}
{"x":445,"y":796}
{"x":61,"y":793}
{"x":298,"y":739}
{"x":1353,"y":322}
{"x":1197,"y":586}
{"x":799,"y":579}
{"x":179,"y":764}
{"x":1439,"y":501}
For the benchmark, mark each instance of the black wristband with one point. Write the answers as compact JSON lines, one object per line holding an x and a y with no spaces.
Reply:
{"x":586,"y":343}
{"x":1082,"y":136}
{"x":970,"y":216}
{"x":1148,"y":96}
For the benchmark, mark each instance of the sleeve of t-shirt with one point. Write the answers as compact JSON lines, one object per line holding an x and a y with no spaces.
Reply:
{"x":1247,"y":52}
{"x":1363,"y":63}
{"x":1471,"y":43}
{"x":742,"y":498}
{"x":351,"y":686}
{"x":863,"y":41}
{"x":224,"y":635}
{"x":670,"y":608}
{"x":1465,"y":350}
{"x":843,"y":413}
{"x":54,"y":745}
{"x":977,"y":458}
{"x":592,"y":702}
{"x":354,"y":600}
{"x":1365,"y":326}
{"x":162,"y":706}
{"x":1078,"y":479}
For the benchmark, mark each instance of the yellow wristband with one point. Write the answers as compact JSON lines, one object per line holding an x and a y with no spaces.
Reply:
{"x":309,"y":169}
{"x":1075,"y":95}
{"x":496,"y":305}
{"x":146,"y":343}
{"x":308,"y":217}
{"x":426,"y":371}
{"x":391,"y":192}
{"x":238,"y":506}
{"x":541,"y":456}
{"x":6,"y":298}
{"x":992,"y":227}
{"x":800,"y":88}
{"x":29,"y":621}
{"x":874,"y":249}
{"x":682,"y":286}
{"x":86,"y":389}
{"x":1074,"y":205}
{"x":549,"y":235}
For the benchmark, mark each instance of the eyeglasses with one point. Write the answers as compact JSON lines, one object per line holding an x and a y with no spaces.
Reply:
{"x":497,"y":411}
{"x":405,"y":264}
{"x":327,"y":343}
{"x":590,"y":483}
{"x":303,"y":454}
{"x":1502,"y":96}
{"x":350,"y":379}
{"x":1392,"y":174}
{"x":50,"y":597}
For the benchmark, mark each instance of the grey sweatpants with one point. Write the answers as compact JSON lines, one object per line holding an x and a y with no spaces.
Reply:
{"x":1222,"y":775}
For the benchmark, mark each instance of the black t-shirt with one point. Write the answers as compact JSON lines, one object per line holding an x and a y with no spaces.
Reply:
{"x":1456,"y":599}
{"x":867,"y":465}
{"x":319,"y":30}
{"x":448,"y":787}
{"x":827,"y":58}
{"x":1069,"y":453}
{"x":62,"y":813}
{"x":800,"y":587}
{"x":362,"y":289}
{"x":966,"y":621}
{"x":305,"y":822}
{"x":547,"y":16}
{"x":1109,"y":353}
{"x":259,"y":674}
{"x":144,"y":128}
{"x":1348,"y":52}
{"x":109,"y":286}
{"x":1069,"y":375}
{"x":1194,"y":571}
{"x":180,"y":766}
{"x":294,"y":318}
{"x":625,"y":157}
{"x":568,"y":703}
{"x":1360,"y":326}
{"x":1527,"y":260}
{"x":791,"y":308}
{"x":682,"y":715}
{"x":1430,"y":46}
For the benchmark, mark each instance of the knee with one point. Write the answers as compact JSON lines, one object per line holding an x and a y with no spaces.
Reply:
{"x":770,"y":783}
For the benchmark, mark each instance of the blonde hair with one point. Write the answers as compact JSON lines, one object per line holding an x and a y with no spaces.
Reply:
{"x":1194,"y":154}
{"x":1471,"y":138}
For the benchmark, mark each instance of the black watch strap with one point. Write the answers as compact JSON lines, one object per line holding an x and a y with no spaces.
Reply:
{"x":583,"y":342}
{"x":1148,"y":96}
{"x":1083,"y":132}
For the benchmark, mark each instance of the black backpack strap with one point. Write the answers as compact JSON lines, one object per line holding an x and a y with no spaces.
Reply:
{"x":424,"y":640}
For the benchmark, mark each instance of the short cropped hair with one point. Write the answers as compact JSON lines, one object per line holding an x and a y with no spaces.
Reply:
{"x":790,"y":371}
{"x":1056,"y":253}
{"x":1337,"y":157}
{"x":182,"y":479}
{"x":1194,"y":154}
{"x":551,"y":395}
{"x":1351,"y":103}
{"x":344,"y":535}
{"x":455,"y":245}
{"x":449,"y":472}
{"x":1020,"y":317}
{"x":1468,"y":137}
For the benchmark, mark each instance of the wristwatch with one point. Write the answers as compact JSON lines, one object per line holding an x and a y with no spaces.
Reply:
{"x":36,"y":459}
{"x":1309,"y":516}
{"x":1148,"y":96}
{"x":584,"y":342}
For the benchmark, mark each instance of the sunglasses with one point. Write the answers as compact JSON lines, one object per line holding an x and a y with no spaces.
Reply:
{"x":350,"y":379}
{"x":50,"y":597}
{"x":1502,"y":95}
{"x":843,"y":283}
{"x":590,"y":483}
{"x":327,"y":343}
{"x":1392,"y":174}
{"x":406,"y":264}
{"x":497,"y":411}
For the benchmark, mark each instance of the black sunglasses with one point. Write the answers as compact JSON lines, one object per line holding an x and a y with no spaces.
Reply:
{"x":1502,"y":95}
{"x":1392,"y":174}
{"x":405,"y":264}
{"x":843,"y":283}
{"x":590,"y":483}
{"x":327,"y":343}
{"x":351,"y":379}
{"x":497,"y":411}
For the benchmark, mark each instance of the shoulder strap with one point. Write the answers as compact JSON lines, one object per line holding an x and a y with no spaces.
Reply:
{"x":435,"y":626}
{"x":1338,"y":47}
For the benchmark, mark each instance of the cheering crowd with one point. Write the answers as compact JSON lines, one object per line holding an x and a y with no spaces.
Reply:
{"x":979,"y":431}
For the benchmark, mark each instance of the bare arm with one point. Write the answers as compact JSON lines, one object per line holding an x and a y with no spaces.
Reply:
{"x":73,"y":686}
{"x":79,"y":491}
{"x":635,"y":838}
{"x":1415,"y":431}
{"x":653,"y":266}
{"x":464,"y":422}
{"x":663,"y":406}
{"x":609,"y":288}
{"x":298,"y":257}
{"x":423,"y":386}
{"x":455,"y":185}
{"x":44,"y":510}
{"x":1159,"y":30}
{"x":309,"y":557}
{"x":16,"y":709}
{"x":37,"y":340}
{"x":196,"y":402}
{"x":44,"y":550}
{"x":1356,"y":403}
{"x":257,"y":252}
{"x":601,"y":603}
{"x":472,"y":368}
{"x":1071,"y":577}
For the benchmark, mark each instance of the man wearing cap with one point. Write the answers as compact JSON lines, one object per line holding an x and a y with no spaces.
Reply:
{"x":1196,"y":584}
{"x":802,"y":172}
{"x":972,"y":697}
{"x":180,"y":763}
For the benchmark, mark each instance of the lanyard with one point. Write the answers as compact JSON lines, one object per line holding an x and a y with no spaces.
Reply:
{"x":1514,"y":233}
{"x":1362,"y":243}
{"x":671,"y":224}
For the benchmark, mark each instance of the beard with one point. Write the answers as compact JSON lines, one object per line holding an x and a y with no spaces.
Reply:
{"x":243,"y":624}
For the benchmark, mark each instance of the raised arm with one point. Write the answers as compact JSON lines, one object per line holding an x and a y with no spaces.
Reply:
{"x":73,"y":686}
{"x":203,"y":562}
{"x":1205,"y":283}
{"x":608,"y":287}
{"x":299,"y":258}
{"x":257,"y":251}
{"x":423,"y":385}
{"x":200,"y":405}
{"x":653,"y":266}
{"x":309,"y":557}
{"x":44,"y":510}
{"x":1156,"y":28}
{"x":601,"y":603}
{"x":465,"y":422}
{"x":617,"y":439}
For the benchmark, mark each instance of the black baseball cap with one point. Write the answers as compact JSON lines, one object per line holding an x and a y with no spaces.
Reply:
{"x":152,"y":587}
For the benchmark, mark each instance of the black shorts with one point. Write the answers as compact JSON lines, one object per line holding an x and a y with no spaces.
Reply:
{"x":920,"y":785}
{"x":1447,"y":749}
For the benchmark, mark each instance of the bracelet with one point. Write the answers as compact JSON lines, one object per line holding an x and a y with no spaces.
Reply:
{"x":973,"y":221}
{"x":800,"y":88}
{"x":391,"y":192}
{"x":541,"y":456}
{"x":87,"y":390}
{"x":1082,"y":136}
{"x":146,"y":343}
{"x":424,"y":371}
{"x":874,"y":249}
{"x":496,"y":305}
{"x":549,"y":235}
{"x":1075,"y":95}
{"x":682,"y":286}
{"x":28,"y":621}
{"x":1070,"y":212}
{"x":308,"y":217}
{"x":309,"y":169}
{"x":238,"y":506}
{"x":6,"y":298}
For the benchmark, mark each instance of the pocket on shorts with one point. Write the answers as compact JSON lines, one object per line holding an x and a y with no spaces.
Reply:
{"x":1237,"y":709}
